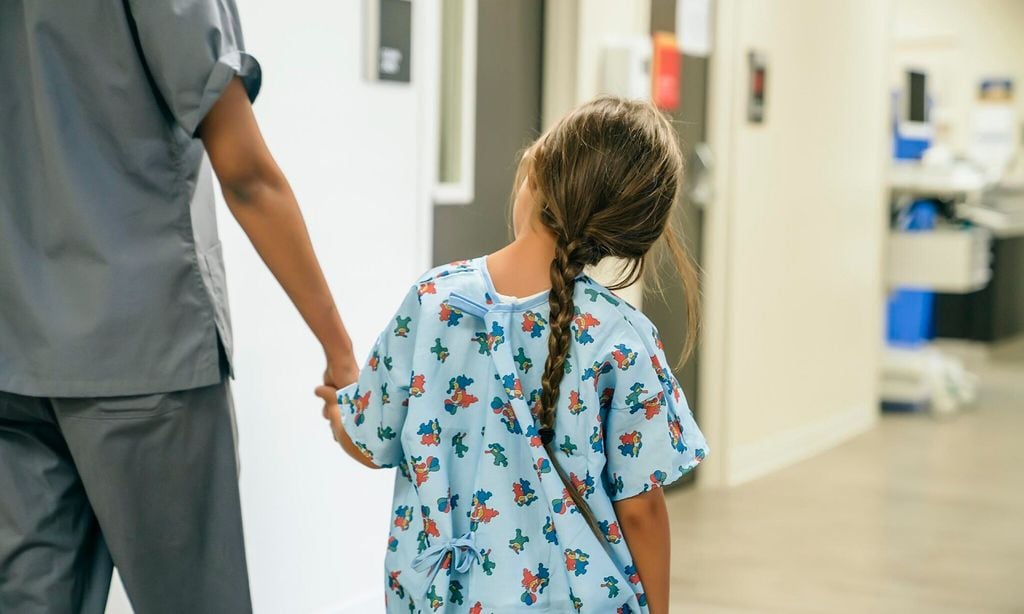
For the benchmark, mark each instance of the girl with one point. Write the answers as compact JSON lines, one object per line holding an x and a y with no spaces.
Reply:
{"x":531,"y":412}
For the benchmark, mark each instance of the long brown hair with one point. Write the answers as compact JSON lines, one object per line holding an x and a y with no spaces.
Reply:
{"x":605,"y":180}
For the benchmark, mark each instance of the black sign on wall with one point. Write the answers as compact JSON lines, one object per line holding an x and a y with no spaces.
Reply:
{"x":388,"y":32}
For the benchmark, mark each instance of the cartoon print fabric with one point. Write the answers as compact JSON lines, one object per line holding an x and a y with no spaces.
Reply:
{"x":480,"y":520}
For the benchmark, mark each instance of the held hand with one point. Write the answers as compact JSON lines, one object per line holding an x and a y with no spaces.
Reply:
{"x":331,"y":411}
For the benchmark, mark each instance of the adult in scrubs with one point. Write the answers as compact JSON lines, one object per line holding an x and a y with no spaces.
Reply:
{"x":117,"y":441}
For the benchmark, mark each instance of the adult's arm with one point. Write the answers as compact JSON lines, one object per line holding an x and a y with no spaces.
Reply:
{"x":262,"y":202}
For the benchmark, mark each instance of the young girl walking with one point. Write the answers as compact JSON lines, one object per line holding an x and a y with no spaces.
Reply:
{"x":531,"y":412}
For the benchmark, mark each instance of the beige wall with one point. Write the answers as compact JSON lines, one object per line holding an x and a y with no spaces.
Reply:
{"x":960,"y":42}
{"x":794,"y":241}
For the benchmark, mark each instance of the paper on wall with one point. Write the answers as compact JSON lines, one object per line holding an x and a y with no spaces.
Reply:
{"x":693,"y":27}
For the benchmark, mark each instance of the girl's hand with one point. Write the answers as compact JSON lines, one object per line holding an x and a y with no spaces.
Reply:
{"x":331,"y":411}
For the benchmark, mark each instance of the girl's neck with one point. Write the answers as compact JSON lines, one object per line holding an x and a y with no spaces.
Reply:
{"x":523,"y":267}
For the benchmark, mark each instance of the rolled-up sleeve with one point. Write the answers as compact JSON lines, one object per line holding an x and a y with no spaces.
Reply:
{"x":193,"y":49}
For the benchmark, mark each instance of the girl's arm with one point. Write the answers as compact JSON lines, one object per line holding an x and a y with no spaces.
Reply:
{"x":644,"y":523}
{"x":332,"y":413}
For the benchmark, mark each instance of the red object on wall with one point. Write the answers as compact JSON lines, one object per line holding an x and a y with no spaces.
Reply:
{"x":665,"y":72}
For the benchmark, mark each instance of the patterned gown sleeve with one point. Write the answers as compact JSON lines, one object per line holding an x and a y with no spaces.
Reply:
{"x":373,"y":409}
{"x":651,"y":438}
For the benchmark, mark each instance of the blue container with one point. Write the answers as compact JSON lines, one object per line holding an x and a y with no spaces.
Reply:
{"x":910,"y":312}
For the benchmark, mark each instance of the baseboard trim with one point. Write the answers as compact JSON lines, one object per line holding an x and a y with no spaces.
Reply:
{"x":751,"y":461}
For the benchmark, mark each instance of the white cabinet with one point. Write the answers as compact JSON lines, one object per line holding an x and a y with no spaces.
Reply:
{"x":943,"y":260}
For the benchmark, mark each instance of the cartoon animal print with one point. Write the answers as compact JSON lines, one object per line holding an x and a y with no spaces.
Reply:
{"x":430,"y":433}
{"x":426,"y":287}
{"x":455,"y":592}
{"x":490,"y":341}
{"x":439,"y":350}
{"x":450,"y":315}
{"x":374,"y":360}
{"x":607,"y":396}
{"x":549,"y":531}
{"x":477,"y":608}
{"x":612,"y":585}
{"x":631,"y":443}
{"x":624,"y":357}
{"x":577,"y":603}
{"x":486,"y":563}
{"x":434,"y":599}
{"x":594,"y":294}
{"x":662,"y":373}
{"x":657,"y":339}
{"x":402,"y":326}
{"x":581,"y":325}
{"x":533,"y":434}
{"x":403,"y":517}
{"x":508,"y":415}
{"x":699,"y":454}
{"x":429,"y":529}
{"x":388,"y":362}
{"x":534,"y":323}
{"x":631,"y":574}
{"x":358,"y":403}
{"x":611,"y":531}
{"x":385,"y":398}
{"x":658,"y":478}
{"x":534,"y":584}
{"x":522,"y":493}
{"x":598,"y":369}
{"x":563,"y":504}
{"x":597,"y":440}
{"x":518,"y":543}
{"x":513,"y":387}
{"x":423,"y":468}
{"x":615,"y":484}
{"x":481,"y":513}
{"x":386,"y":433}
{"x":498,"y":452}
{"x":576,"y":405}
{"x":576,"y":561}
{"x":584,"y":486}
{"x":448,"y":503}
{"x":652,"y":405}
{"x":542,"y":466}
{"x":567,"y":446}
{"x":522,"y":361}
{"x":418,"y":385}
{"x":392,"y":543}
{"x":458,"y":445}
{"x":458,"y":389}
{"x":394,"y":585}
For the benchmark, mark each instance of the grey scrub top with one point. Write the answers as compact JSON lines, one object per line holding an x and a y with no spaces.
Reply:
{"x":111,"y":274}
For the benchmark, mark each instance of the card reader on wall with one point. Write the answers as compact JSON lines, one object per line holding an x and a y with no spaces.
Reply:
{"x":387,"y":38}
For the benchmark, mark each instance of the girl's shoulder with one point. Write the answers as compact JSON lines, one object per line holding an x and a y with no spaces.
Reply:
{"x":594,"y":301}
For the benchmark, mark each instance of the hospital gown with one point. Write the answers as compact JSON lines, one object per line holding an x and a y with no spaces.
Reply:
{"x":480,"y":521}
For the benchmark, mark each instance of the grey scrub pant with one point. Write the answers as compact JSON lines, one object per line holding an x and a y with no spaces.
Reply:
{"x":147,"y":483}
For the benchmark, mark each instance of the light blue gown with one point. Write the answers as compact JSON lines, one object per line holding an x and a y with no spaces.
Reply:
{"x":481,"y":522}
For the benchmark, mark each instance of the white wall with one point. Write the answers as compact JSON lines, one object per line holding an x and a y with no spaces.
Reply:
{"x":315,"y":522}
{"x":794,"y":240}
{"x":961,"y":42}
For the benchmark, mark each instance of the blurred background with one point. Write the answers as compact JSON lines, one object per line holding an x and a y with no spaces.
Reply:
{"x":855,"y":197}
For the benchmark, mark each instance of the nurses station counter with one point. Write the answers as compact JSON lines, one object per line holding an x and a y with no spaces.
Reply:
{"x":973,"y":260}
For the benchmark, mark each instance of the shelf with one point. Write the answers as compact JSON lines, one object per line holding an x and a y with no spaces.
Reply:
{"x":956,"y":261}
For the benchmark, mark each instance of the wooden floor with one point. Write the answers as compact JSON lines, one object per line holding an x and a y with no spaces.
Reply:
{"x":919,"y":515}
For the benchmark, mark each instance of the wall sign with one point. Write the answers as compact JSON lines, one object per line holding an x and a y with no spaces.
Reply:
{"x":757,"y":87}
{"x":388,"y":35}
